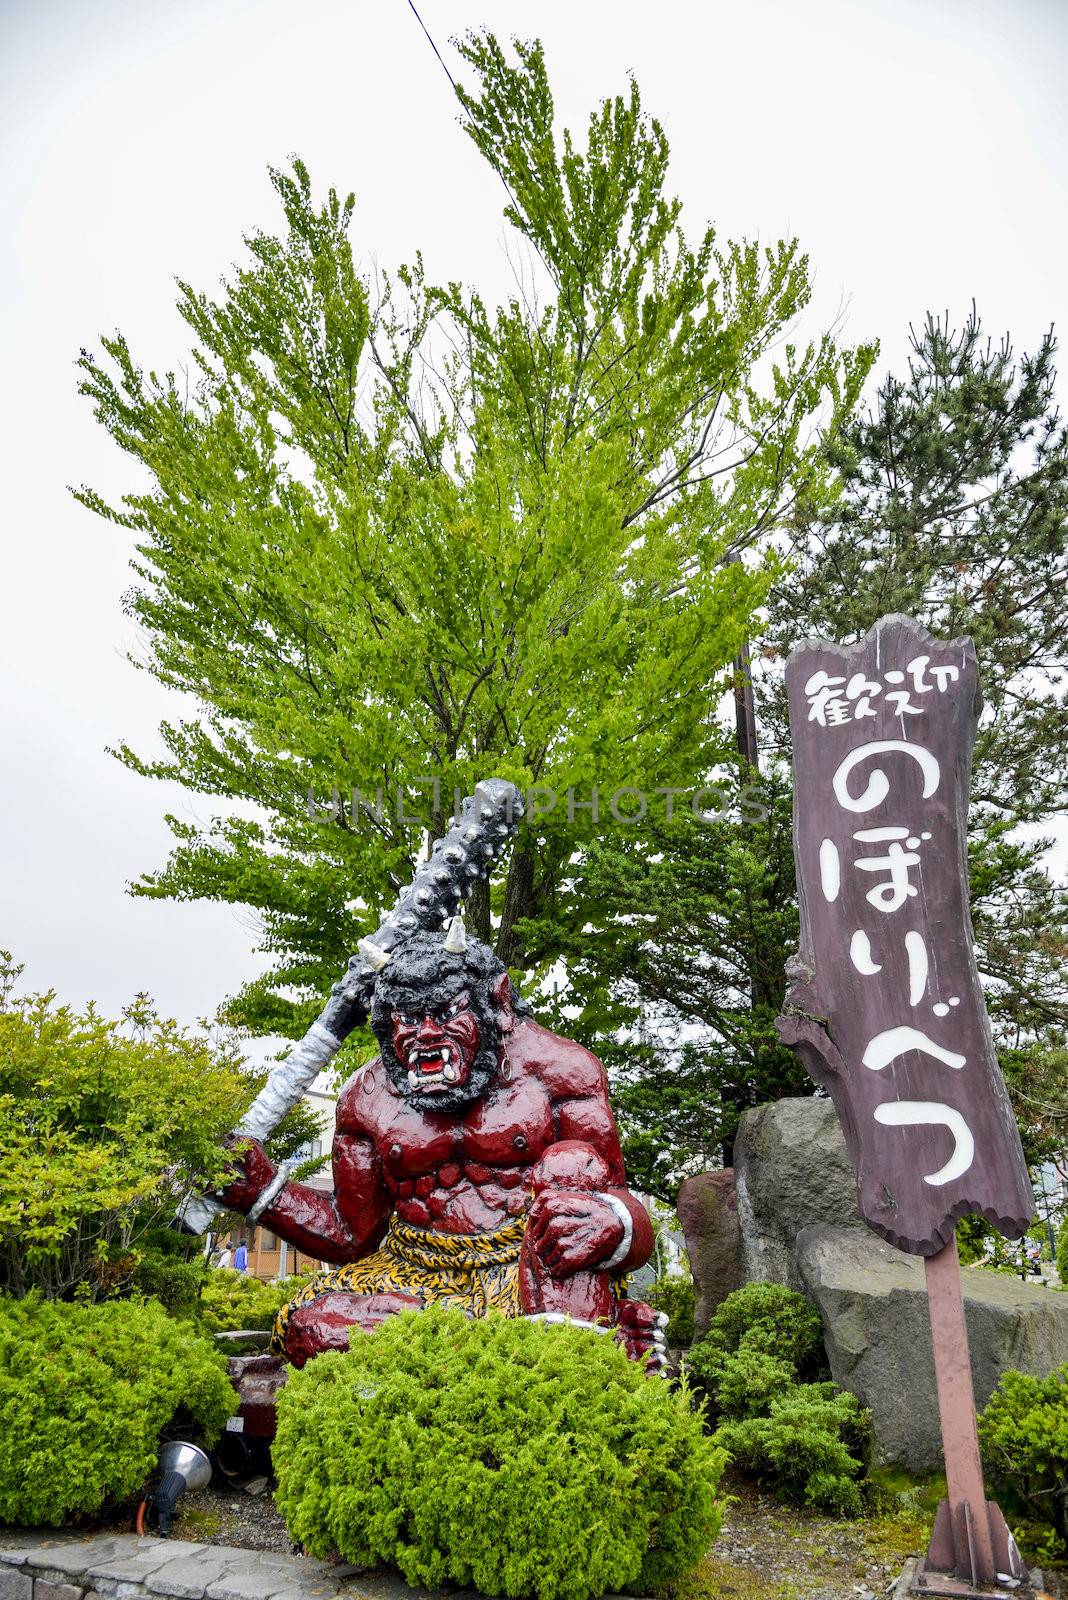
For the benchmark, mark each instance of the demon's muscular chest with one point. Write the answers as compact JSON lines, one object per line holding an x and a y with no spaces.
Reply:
{"x":468,"y":1172}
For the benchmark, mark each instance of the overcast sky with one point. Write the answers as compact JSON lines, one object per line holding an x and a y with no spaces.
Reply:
{"x":916,"y":147}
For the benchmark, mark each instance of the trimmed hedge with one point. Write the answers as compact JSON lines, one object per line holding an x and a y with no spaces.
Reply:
{"x":85,"y":1391}
{"x":508,"y":1455}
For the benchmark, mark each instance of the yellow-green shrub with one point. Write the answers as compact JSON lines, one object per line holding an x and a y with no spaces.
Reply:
{"x":234,"y":1300}
{"x":1024,"y":1435}
{"x":84,"y":1393}
{"x":508,"y":1455}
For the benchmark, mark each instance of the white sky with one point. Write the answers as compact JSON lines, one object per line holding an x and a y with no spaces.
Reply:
{"x":917,"y":147}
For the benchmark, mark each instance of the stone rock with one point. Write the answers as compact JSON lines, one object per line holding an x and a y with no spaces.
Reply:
{"x":15,"y":1584}
{"x":71,"y":1557}
{"x":186,"y":1577}
{"x":55,"y":1591}
{"x":791,"y":1169}
{"x":873,"y":1303}
{"x":708,"y":1210}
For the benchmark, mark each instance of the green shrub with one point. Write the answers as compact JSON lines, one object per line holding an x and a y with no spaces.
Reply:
{"x":773,"y":1317}
{"x":103,"y":1126}
{"x":84,"y":1393}
{"x":809,"y":1439}
{"x":516,"y":1457}
{"x":175,"y":1283}
{"x":1024,"y":1436}
{"x":803,"y":1445}
{"x":750,"y":1380}
{"x":765,"y":1318}
{"x":676,"y":1297}
{"x":230,"y":1300}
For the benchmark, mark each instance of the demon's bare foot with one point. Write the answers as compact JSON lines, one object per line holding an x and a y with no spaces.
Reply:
{"x":325,"y":1323}
{"x":640,"y":1330}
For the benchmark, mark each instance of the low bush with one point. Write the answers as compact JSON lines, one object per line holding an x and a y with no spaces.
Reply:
{"x":175,"y":1283}
{"x":804,"y":1444}
{"x":230,"y":1301}
{"x":810,"y":1439}
{"x":507,"y":1455}
{"x":675,"y":1296}
{"x":85,"y":1391}
{"x":764,"y":1316}
{"x":1024,"y":1436}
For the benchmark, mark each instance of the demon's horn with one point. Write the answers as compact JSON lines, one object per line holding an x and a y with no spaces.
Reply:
{"x":373,"y":954}
{"x":456,"y":938}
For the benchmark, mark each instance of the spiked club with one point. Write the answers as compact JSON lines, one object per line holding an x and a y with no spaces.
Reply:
{"x":487,"y":820}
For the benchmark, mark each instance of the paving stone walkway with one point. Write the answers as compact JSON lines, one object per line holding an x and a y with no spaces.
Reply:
{"x":39,"y":1565}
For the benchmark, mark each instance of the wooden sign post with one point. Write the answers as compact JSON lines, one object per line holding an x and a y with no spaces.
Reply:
{"x":886,"y":1008}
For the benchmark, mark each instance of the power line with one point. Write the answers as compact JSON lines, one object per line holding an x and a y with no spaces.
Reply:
{"x":433,"y":46}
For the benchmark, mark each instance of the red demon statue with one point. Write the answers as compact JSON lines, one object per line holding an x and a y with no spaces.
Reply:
{"x":475,"y":1161}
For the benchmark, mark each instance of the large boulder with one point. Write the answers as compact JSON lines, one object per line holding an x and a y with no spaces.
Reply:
{"x":873,"y":1302}
{"x":708,"y":1211}
{"x":791,"y":1169}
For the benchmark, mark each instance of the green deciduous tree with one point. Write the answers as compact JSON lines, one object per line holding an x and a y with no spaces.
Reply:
{"x":675,"y":955}
{"x":104,"y":1128}
{"x":394,"y":532}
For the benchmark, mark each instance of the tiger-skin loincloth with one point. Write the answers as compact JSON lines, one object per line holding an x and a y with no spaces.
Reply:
{"x":478,"y":1272}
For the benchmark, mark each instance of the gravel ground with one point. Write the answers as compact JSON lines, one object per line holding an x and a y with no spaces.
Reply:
{"x":221,"y":1514}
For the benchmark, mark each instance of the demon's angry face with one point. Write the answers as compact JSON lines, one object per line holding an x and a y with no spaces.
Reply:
{"x":438,"y":1048}
{"x":438,"y":1017}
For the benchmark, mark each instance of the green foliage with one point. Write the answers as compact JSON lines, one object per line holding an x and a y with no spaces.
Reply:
{"x":972,"y":1234}
{"x":503,"y":1454}
{"x":955,"y":511}
{"x":104,"y":1128}
{"x":101,"y":1132}
{"x":981,"y":1245}
{"x":84,"y":1393}
{"x":766,"y":1317}
{"x":745,"y":1384}
{"x":404,"y":535}
{"x":804,"y":1445}
{"x":676,"y":1297}
{"x":680,"y":925}
{"x":1062,"y":1253}
{"x":175,"y":1283}
{"x":231,"y":1301}
{"x":1024,"y":1437}
{"x":809,"y":1439}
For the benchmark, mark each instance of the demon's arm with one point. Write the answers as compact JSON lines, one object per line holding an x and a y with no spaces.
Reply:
{"x":310,"y":1219}
{"x":585,"y":1218}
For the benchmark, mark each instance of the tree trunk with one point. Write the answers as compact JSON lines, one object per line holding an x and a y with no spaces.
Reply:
{"x":477,"y":911}
{"x":518,"y":903}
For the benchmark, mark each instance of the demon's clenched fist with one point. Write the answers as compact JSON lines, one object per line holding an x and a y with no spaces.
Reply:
{"x":476,"y":1162}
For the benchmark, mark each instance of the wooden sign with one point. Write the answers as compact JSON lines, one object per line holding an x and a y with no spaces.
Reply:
{"x":885,"y":1006}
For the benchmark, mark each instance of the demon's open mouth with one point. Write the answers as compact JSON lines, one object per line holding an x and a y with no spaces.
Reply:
{"x":433,"y":1069}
